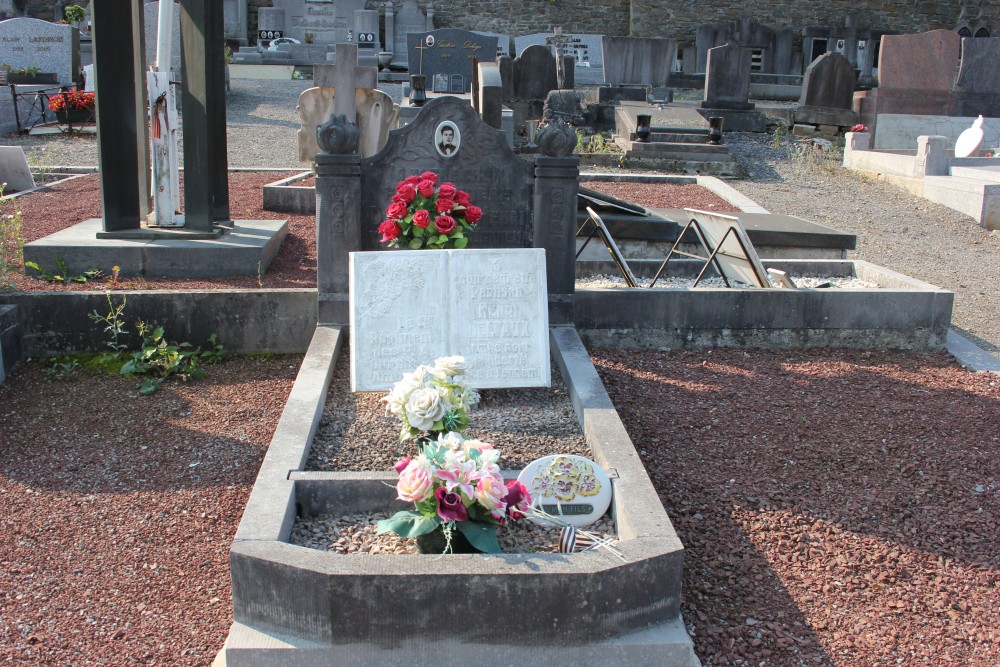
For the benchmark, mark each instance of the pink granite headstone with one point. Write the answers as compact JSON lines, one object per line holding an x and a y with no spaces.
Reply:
{"x":928,"y":61}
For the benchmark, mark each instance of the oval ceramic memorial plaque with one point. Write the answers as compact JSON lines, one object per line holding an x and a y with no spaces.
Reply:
{"x":573,"y":488}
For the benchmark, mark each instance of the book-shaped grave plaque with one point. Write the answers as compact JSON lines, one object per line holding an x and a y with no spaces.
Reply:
{"x":570,"y":487}
{"x":410,"y":307}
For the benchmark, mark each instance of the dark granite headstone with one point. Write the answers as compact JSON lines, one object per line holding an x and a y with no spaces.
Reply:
{"x":445,"y":57}
{"x":645,"y":61}
{"x":534,"y":73}
{"x":829,"y":82}
{"x":484,"y":165}
{"x":979,"y":71}
{"x":727,"y":78}
{"x":489,"y":97}
{"x":506,"y":65}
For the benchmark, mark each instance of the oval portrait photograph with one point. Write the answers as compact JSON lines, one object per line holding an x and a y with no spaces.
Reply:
{"x":448,"y":138}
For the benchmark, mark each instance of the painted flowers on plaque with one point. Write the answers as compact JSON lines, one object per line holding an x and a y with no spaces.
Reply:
{"x":424,"y":214}
{"x":569,"y":487}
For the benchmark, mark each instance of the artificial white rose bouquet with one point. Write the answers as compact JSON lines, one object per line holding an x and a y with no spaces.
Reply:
{"x":432,"y":400}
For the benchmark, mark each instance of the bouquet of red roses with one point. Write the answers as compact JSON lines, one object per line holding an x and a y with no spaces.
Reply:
{"x":424,"y":214}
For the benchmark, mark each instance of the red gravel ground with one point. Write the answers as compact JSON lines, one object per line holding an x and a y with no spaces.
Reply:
{"x":837,"y":507}
{"x":119,"y":510}
{"x":66,"y":204}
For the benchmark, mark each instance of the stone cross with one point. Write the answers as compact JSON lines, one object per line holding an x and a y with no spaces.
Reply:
{"x":559,"y":40}
{"x":348,"y":76}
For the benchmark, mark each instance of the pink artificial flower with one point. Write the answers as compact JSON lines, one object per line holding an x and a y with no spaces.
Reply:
{"x":401,"y":464}
{"x":518,"y":500}
{"x":450,"y":507}
{"x":414,"y":485}
{"x":460,"y":477}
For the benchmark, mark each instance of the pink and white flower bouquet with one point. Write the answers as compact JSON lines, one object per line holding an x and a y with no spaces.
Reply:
{"x":456,"y":483}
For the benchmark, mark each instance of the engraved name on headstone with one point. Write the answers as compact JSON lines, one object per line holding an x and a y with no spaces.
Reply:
{"x":51,"y":47}
{"x":410,"y":307}
{"x":449,"y":52}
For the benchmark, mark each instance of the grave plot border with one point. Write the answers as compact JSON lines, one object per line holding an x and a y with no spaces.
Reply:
{"x":290,"y":600}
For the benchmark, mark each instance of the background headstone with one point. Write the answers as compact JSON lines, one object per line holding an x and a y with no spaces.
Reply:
{"x":376,"y":115}
{"x":979,"y":70}
{"x":586,"y":50}
{"x":449,"y":57}
{"x":503,"y":44}
{"x":928,"y":61}
{"x":645,"y":61}
{"x":409,"y":18}
{"x":235,"y":20}
{"x":51,"y":47}
{"x":829,"y":82}
{"x":727,"y":78}
{"x":534,"y":73}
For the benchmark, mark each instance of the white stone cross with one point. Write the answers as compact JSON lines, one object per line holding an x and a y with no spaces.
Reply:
{"x":348,"y":76}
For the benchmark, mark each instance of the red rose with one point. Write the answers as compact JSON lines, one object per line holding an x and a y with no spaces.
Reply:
{"x":412,"y":180}
{"x":463,"y":198}
{"x":421,"y":219}
{"x":408,"y":191}
{"x":400,"y":198}
{"x":444,"y":205}
{"x":389,"y":230}
{"x":429,"y":176}
{"x":444,"y":224}
{"x":473,"y":214}
{"x":425,"y":188}
{"x":447,"y":190}
{"x":396,"y":210}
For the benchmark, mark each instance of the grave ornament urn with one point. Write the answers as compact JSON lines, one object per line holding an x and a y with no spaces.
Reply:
{"x":642,"y":127}
{"x":557,"y":139}
{"x":337,"y":136}
{"x":418,"y":90}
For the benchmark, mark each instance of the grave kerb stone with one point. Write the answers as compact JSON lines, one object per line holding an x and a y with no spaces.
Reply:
{"x":489,"y":306}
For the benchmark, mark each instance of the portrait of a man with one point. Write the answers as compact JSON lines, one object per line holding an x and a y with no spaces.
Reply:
{"x":448,"y":138}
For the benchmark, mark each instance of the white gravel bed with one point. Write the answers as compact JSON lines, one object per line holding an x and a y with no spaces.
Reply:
{"x":356,"y":533}
{"x":605,"y":281}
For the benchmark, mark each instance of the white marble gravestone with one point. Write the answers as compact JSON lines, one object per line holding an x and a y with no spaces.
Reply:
{"x":410,"y":307}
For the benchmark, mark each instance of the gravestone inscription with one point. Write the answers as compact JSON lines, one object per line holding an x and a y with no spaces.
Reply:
{"x":489,"y":306}
{"x":445,"y":57}
{"x":51,"y":47}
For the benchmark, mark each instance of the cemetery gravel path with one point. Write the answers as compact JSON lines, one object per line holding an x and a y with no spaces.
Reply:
{"x":895,"y":229}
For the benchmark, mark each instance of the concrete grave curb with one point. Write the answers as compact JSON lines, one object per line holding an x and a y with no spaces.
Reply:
{"x":301,"y":606}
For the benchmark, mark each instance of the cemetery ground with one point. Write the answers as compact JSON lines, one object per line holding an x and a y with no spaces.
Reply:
{"x":837,"y":507}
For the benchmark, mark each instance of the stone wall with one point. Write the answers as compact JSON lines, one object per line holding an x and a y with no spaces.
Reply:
{"x":654,"y":18}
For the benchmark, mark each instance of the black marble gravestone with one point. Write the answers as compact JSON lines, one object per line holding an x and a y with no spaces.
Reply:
{"x":445,"y":57}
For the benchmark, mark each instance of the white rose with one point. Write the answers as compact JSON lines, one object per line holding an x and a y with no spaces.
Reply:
{"x":452,"y":440}
{"x":453,"y":366}
{"x":423,"y":408}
